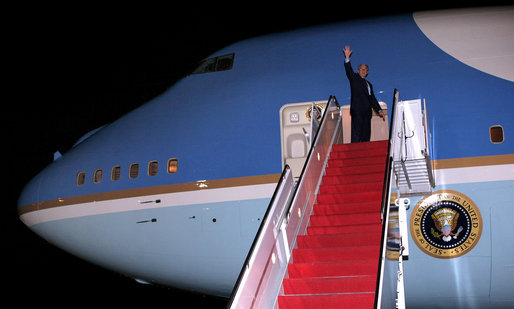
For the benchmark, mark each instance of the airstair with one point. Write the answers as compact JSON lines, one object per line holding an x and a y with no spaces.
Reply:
{"x":336,"y":261}
{"x":322,"y":243}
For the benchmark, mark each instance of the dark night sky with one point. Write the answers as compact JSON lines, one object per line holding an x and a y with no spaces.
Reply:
{"x":72,"y":69}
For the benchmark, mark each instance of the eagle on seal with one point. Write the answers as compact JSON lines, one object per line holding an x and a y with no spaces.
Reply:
{"x":445,"y":220}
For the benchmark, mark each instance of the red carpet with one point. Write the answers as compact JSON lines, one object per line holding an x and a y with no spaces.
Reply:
{"x":336,"y":263}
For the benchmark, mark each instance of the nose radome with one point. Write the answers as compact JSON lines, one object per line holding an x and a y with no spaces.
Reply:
{"x":29,"y":197}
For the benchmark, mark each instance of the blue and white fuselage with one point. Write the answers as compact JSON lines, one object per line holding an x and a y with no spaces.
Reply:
{"x":209,"y":152}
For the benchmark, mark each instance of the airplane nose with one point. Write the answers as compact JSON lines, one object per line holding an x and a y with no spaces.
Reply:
{"x":28,"y":200}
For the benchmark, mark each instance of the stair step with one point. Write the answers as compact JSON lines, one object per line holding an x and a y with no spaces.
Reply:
{"x":350,"y":147}
{"x":351,"y":301}
{"x":345,"y":219}
{"x":346,"y":208}
{"x":358,"y":161}
{"x":357,"y":178}
{"x":337,"y":229}
{"x":358,"y":197}
{"x":351,"y":188}
{"x":356,"y":170}
{"x":338,"y":240}
{"x":336,"y":254}
{"x":349,"y":268}
{"x":354,"y":154}
{"x":347,"y":284}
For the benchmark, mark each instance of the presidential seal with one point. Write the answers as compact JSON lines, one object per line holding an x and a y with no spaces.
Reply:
{"x":446,"y":224}
{"x":318,"y":112}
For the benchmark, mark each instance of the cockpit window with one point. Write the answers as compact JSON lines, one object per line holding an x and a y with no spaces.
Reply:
{"x":215,"y":64}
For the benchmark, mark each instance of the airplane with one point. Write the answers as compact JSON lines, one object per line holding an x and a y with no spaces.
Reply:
{"x":174,"y":192}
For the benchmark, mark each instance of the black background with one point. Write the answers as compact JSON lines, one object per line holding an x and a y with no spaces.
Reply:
{"x":73,"y":68}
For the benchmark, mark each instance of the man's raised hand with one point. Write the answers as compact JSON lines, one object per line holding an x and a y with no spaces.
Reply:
{"x":347,"y":52}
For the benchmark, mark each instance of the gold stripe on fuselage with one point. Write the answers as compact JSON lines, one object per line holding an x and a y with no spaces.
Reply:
{"x":474,"y":161}
{"x":235,"y":182}
{"x":163,"y":189}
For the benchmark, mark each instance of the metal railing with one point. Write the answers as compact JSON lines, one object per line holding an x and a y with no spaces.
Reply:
{"x":428,"y":140}
{"x":409,"y":169}
{"x":262,"y":258}
{"x":386,"y":193}
{"x":258,"y":285}
{"x":411,"y":153}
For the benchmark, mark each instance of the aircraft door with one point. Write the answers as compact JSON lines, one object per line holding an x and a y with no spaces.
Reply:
{"x":296,"y":135}
{"x":379,"y":126}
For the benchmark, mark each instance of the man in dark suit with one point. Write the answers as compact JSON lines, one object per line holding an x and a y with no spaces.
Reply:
{"x":362,"y":100}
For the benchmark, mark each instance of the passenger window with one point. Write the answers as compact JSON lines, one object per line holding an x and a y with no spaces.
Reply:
{"x":115,"y":173}
{"x":172,"y":165}
{"x":134,"y":170}
{"x":153,"y":168}
{"x":97,"y":176}
{"x":81,"y":178}
{"x":496,"y":134}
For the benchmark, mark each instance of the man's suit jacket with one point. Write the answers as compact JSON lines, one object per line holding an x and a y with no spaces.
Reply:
{"x":361,"y":100}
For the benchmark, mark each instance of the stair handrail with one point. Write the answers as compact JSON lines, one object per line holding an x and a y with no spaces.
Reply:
{"x":386,"y":194}
{"x":428,"y":140}
{"x":281,"y":197}
{"x":288,"y":227}
{"x":308,"y":187}
{"x":386,"y":189}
